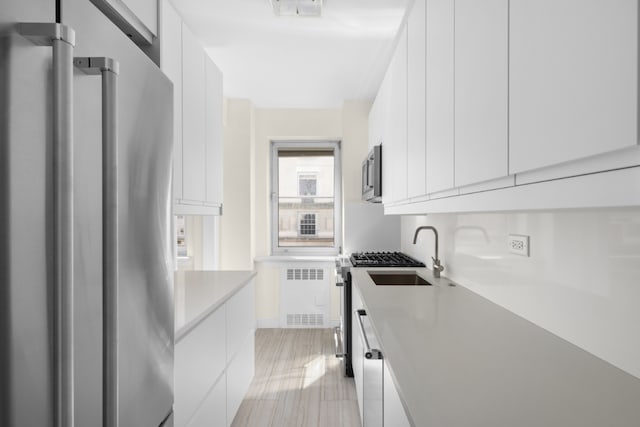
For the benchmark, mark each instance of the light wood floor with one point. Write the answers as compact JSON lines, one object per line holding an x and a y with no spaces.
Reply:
{"x":298,"y":382}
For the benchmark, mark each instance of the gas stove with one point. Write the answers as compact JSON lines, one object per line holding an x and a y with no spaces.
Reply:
{"x":343,"y":334}
{"x":383,"y":259}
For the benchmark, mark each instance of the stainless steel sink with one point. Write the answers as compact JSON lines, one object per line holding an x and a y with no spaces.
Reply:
{"x":398,"y":278}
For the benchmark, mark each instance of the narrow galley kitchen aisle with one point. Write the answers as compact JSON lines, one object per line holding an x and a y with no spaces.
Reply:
{"x":298,"y":382}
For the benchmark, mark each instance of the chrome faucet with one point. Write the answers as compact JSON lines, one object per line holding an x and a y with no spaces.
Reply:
{"x":437,"y":267}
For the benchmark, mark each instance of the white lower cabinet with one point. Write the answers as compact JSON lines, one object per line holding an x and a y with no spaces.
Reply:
{"x":199,"y":361}
{"x":373,"y":380}
{"x":213,"y":412}
{"x":212,"y":377}
{"x":239,"y":375}
{"x":393,"y":410}
{"x":357,"y":349}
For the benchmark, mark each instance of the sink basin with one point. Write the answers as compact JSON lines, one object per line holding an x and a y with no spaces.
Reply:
{"x":398,"y":278}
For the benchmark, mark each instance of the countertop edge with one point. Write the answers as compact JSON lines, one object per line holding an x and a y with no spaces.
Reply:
{"x":185,"y":329}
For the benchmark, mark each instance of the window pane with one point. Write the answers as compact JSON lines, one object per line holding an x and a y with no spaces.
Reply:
{"x":305,"y":199}
{"x":306,"y":185}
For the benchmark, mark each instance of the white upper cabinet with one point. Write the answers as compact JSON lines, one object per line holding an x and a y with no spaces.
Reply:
{"x":171,"y":65}
{"x":373,"y":125}
{"x":439,"y":90}
{"x":214,"y":134}
{"x":573,"y":80}
{"x":481,"y":90}
{"x":397,"y":127}
{"x":416,"y":93}
{"x":383,"y":114}
{"x":198,"y":132}
{"x":193,"y":117}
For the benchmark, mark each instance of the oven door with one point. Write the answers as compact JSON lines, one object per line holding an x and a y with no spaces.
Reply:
{"x":342,"y":334}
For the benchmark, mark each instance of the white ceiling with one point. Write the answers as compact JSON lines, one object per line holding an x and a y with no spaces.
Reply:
{"x":297,"y":62}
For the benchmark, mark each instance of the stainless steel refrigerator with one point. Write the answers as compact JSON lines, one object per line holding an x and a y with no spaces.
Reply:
{"x":86,"y":264}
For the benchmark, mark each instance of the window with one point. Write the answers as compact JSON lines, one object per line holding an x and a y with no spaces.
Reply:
{"x":307,"y":185}
{"x":307,"y":223}
{"x":306,"y":195}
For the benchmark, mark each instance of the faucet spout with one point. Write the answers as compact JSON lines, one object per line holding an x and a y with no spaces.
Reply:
{"x":437,"y":266}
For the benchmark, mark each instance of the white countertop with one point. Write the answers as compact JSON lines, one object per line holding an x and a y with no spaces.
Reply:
{"x":296,"y":258}
{"x":199,"y":293}
{"x":459,"y":360}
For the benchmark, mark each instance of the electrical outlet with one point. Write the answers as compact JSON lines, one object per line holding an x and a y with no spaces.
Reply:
{"x":519,"y":244}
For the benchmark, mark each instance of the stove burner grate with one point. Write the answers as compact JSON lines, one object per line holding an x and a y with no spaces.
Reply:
{"x":383,"y":259}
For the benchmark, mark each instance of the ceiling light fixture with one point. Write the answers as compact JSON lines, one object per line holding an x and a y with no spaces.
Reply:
{"x":297,"y":7}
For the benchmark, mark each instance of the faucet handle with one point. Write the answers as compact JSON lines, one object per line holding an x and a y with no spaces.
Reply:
{"x":437,"y":265}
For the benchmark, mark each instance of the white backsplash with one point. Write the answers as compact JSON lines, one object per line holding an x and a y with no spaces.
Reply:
{"x":581,"y":281}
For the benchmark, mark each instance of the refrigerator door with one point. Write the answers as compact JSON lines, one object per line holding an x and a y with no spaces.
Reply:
{"x":26,"y":317}
{"x":145,"y":286}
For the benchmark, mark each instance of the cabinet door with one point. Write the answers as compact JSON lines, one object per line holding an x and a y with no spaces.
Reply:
{"x":193,"y":117}
{"x":394,"y":413}
{"x":213,"y":412}
{"x":357,"y":349}
{"x":214,"y":133}
{"x":374,"y":124}
{"x":171,"y":65}
{"x":395,"y":142}
{"x":398,"y":125}
{"x":239,"y":375}
{"x":388,"y":146}
{"x":416,"y":93}
{"x":439,"y":88}
{"x":481,"y":90}
{"x":200,"y":359}
{"x":240,"y":319}
{"x":573,"y":80}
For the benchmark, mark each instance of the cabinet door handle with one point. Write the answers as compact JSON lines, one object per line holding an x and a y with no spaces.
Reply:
{"x":369,"y":353}
{"x":108,"y":69}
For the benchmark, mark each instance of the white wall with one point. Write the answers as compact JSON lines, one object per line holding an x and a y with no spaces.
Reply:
{"x":581,"y":282}
{"x":348,"y":124}
{"x":279,"y":124}
{"x":236,"y":223}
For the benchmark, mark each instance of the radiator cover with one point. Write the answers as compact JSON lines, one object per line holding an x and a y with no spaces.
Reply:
{"x":304,"y":297}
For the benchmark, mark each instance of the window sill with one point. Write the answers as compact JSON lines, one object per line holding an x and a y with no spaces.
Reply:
{"x":295,"y":258}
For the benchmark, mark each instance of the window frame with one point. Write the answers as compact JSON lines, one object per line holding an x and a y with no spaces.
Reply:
{"x":299,"y":145}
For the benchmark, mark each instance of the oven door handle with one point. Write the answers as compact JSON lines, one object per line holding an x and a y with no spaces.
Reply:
{"x":369,"y":353}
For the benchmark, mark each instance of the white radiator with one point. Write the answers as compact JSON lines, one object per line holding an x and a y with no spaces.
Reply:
{"x":304,"y":298}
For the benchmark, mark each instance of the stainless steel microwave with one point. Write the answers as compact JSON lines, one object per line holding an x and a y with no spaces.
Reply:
{"x":372,"y":176}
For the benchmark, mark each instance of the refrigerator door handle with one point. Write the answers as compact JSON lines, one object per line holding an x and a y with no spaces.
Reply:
{"x":108,"y":68}
{"x":62,"y":39}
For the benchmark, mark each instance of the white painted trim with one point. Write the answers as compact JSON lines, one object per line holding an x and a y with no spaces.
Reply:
{"x":336,"y":146}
